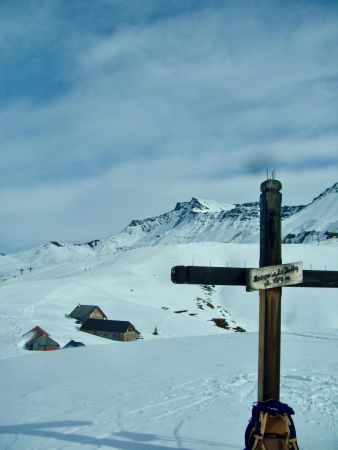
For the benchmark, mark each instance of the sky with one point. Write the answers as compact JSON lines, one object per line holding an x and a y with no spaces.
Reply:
{"x":115,"y":110}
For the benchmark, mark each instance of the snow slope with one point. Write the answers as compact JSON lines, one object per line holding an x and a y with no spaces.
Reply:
{"x":184,"y":393}
{"x":316,"y":222}
{"x":135,"y":285}
{"x":189,"y":388}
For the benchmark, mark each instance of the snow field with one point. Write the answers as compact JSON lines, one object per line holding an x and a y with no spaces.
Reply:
{"x":186,"y":393}
{"x":191,"y":387}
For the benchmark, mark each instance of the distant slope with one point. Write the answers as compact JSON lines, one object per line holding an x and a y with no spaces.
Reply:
{"x":316,"y":222}
{"x":135,"y":286}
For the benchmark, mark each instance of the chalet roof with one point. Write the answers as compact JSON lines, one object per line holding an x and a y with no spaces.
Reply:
{"x":36,"y":333}
{"x":73,"y":343}
{"x":115,"y":326}
{"x":82,"y":312}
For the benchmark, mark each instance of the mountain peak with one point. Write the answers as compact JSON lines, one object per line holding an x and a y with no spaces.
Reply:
{"x":203,"y":206}
{"x":331,"y":190}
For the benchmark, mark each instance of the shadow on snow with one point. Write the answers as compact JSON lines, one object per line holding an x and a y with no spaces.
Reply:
{"x":136,"y":441}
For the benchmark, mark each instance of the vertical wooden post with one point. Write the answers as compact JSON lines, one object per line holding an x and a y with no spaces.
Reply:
{"x":270,"y":299}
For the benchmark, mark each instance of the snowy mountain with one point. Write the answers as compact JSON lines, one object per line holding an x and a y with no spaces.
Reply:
{"x":316,"y":222}
{"x":192,"y":385}
{"x":196,"y":221}
{"x":209,"y":221}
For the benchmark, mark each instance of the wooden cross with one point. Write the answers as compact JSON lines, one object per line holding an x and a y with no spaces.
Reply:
{"x":270,"y":297}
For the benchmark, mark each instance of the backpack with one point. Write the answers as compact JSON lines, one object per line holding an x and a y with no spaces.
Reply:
{"x":271,"y":427}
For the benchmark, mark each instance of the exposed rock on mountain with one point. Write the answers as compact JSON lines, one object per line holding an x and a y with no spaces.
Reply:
{"x":209,"y":221}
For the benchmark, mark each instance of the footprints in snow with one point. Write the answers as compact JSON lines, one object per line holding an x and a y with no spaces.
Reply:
{"x":317,"y":394}
{"x":197,"y":395}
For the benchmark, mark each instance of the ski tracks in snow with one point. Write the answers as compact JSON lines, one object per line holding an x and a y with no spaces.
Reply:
{"x":197,"y":395}
{"x":312,"y":395}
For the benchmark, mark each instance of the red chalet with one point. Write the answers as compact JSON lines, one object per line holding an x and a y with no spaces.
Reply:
{"x":39,"y":339}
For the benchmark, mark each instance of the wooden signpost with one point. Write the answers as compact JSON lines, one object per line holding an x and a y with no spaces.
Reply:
{"x":269,"y":280}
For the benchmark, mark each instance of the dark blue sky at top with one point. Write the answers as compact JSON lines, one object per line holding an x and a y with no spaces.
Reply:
{"x":41,"y":66}
{"x":38,"y":68}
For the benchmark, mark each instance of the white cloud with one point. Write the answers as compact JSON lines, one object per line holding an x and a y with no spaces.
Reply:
{"x":200,"y":104}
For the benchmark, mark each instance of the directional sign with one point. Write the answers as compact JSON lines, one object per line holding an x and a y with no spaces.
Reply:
{"x":274,"y":276}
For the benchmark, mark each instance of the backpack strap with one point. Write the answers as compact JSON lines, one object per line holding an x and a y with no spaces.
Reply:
{"x":263,"y":417}
{"x":293,"y":445}
{"x":258,"y":440}
{"x":263,"y":420}
{"x":287,"y":427}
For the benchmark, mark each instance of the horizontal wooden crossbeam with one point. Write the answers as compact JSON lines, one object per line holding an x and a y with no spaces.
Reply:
{"x":236,"y":276}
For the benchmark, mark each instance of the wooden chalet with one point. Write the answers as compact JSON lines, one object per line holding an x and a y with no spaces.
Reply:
{"x":117,"y":330}
{"x":39,"y":339}
{"x":84,"y":312}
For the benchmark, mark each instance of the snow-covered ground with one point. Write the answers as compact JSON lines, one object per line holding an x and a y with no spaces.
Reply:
{"x":191,"y":387}
{"x":182,"y":393}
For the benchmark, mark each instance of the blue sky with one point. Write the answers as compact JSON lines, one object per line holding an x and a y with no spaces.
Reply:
{"x":114,"y":110}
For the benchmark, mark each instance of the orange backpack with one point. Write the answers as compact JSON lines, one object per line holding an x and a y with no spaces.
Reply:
{"x":271,"y":427}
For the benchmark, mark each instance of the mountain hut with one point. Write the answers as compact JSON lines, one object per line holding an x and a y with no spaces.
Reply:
{"x":84,"y":312}
{"x":117,"y":330}
{"x":39,"y":339}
